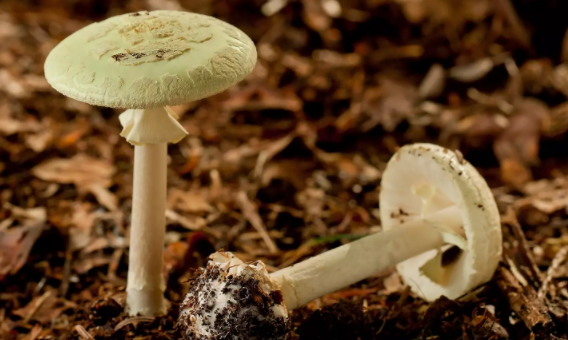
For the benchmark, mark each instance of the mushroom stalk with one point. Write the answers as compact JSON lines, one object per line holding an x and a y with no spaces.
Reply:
{"x":430,"y":199}
{"x":355,"y":261}
{"x":145,"y":290}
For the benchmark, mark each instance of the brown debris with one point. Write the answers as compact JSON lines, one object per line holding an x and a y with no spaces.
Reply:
{"x":15,"y":246}
{"x":249,"y":211}
{"x":288,"y":163}
{"x":525,"y":302}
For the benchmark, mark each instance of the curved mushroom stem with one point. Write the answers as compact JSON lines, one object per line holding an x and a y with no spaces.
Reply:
{"x":145,"y":290}
{"x":355,"y":261}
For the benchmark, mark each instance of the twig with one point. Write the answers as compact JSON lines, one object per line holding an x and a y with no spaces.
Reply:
{"x":83,"y":332}
{"x":301,"y":251}
{"x":559,"y":258}
{"x":510,"y":218}
{"x":36,"y":305}
{"x":35,"y":332}
{"x":64,"y":287}
{"x":272,"y":150}
{"x":525,"y":303}
{"x":251,"y":214}
{"x":132,"y":320}
{"x":113,"y":266}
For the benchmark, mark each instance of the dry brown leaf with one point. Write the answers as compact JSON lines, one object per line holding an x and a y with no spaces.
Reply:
{"x":449,"y":12}
{"x":300,"y":65}
{"x":82,"y":223}
{"x":433,"y":83}
{"x":547,"y":196}
{"x":87,"y":263}
{"x":250,"y":212}
{"x":194,"y":201}
{"x":270,"y":151}
{"x":10,"y":125}
{"x":518,"y":145}
{"x":479,"y":130}
{"x":12,"y":85}
{"x":81,"y":170}
{"x":473,"y":71}
{"x":315,"y":16}
{"x":312,"y":200}
{"x":536,"y":74}
{"x":45,"y":308}
{"x":190,"y":223}
{"x":30,"y":215}
{"x":39,"y":141}
{"x":15,"y":246}
{"x":293,"y":171}
{"x":104,"y":196}
{"x":391,"y":106}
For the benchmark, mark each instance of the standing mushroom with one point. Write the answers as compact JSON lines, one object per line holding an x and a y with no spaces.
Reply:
{"x":442,"y":229}
{"x":144,"y":62}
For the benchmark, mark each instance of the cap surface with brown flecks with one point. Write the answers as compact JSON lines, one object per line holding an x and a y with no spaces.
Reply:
{"x":150,"y":59}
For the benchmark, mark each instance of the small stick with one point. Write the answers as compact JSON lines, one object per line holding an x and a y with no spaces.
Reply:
{"x":132,"y":320}
{"x":525,"y":303}
{"x":249,"y":210}
{"x":36,"y":305}
{"x":525,"y":250}
{"x":83,"y":332}
{"x":559,"y":258}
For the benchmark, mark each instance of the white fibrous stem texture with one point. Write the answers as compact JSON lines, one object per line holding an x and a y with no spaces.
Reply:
{"x":343,"y":266}
{"x":145,"y":290}
{"x":230,"y":299}
{"x":151,"y":126}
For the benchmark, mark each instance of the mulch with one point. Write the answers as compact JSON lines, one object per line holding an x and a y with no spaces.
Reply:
{"x":288,"y":163}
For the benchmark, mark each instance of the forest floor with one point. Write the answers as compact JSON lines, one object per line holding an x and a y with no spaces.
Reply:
{"x":300,"y":145}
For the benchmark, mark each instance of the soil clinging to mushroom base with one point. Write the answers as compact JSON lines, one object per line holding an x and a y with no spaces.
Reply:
{"x":233,"y":304}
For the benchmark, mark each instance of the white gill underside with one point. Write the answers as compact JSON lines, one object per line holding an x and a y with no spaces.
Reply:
{"x":448,"y":221}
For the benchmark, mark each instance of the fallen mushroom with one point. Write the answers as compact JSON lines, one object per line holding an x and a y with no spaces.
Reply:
{"x":431,"y":201}
{"x":144,"y":62}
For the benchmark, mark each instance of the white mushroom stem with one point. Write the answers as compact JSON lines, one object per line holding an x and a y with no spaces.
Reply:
{"x":150,"y":131}
{"x":355,"y":261}
{"x":145,"y":290}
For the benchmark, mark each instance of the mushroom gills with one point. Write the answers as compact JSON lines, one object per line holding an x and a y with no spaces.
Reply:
{"x":448,"y":222}
{"x":436,"y":268}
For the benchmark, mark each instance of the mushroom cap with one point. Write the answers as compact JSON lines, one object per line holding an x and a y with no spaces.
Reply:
{"x":150,"y":59}
{"x":233,"y":300}
{"x":422,"y":179}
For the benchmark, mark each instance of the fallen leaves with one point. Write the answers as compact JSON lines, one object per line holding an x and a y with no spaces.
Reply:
{"x":81,"y":170}
{"x":87,"y":173}
{"x":15,"y":246}
{"x":192,"y":201}
{"x":250,"y":212}
{"x":517,"y":147}
{"x":525,"y":303}
{"x":291,"y":155}
{"x":44,"y":308}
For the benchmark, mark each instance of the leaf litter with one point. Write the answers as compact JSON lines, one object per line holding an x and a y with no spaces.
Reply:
{"x":288,"y":164}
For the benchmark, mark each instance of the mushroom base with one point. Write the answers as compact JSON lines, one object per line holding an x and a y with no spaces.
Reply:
{"x":233,"y":300}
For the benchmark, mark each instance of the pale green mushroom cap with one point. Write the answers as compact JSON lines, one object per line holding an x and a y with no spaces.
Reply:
{"x":150,"y":59}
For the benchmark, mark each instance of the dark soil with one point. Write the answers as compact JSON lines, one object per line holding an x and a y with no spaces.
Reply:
{"x":300,"y":145}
